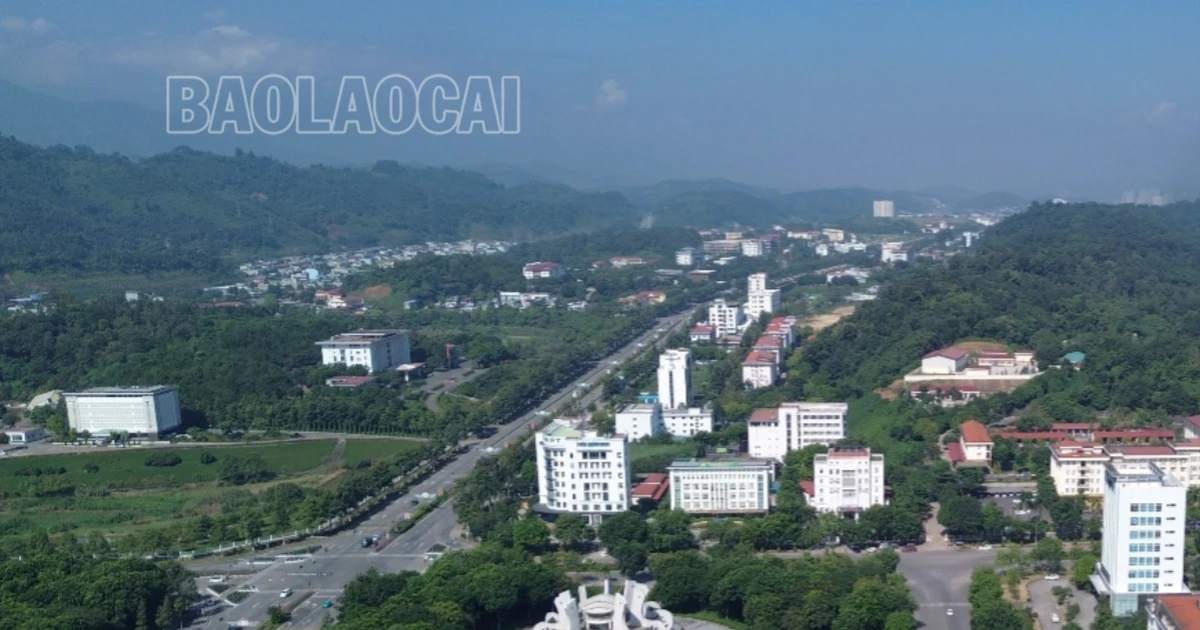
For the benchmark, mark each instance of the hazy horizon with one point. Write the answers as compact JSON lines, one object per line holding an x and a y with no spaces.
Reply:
{"x":1021,"y":97}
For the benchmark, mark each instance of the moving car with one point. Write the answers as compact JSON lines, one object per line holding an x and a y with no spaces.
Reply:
{"x":328,"y":604}
{"x":949,"y":612}
{"x":285,"y":593}
{"x":366,"y":542}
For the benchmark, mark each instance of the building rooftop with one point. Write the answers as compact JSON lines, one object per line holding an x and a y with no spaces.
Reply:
{"x":349,"y":381}
{"x":849,"y":452}
{"x":757,"y":357}
{"x":135,"y":390}
{"x":361,"y":336}
{"x":973,"y":432}
{"x":948,"y":353}
{"x":1139,"y":473}
{"x":764,"y":415}
{"x":1184,"y":610}
{"x":719,"y":462}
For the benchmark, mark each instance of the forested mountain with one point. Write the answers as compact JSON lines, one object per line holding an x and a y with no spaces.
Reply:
{"x":65,"y":209}
{"x":1119,"y":283}
{"x":653,"y":195}
{"x":726,"y":207}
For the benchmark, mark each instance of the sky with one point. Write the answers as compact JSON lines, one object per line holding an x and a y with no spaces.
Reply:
{"x":1038,"y":98}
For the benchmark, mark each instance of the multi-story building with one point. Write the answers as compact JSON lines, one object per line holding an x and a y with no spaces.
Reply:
{"x":675,"y":378}
{"x":722,"y":247}
{"x":772,"y":345}
{"x":1145,"y":512}
{"x":639,"y":421}
{"x":686,"y":257}
{"x":760,"y":299}
{"x":582,"y":472}
{"x":760,"y":369}
{"x":1078,"y":468}
{"x":834,"y":235}
{"x":975,"y":441}
{"x":847,"y":480}
{"x":725,"y":317}
{"x":772,"y":433}
{"x":784,"y":329}
{"x":376,"y":350}
{"x":893,"y":252}
{"x":755,"y":247}
{"x":688,"y":421}
{"x":731,"y":486}
{"x":884,"y":209}
{"x":702,"y":333}
{"x":543,"y":270}
{"x":1174,"y":612}
{"x":143,"y":411}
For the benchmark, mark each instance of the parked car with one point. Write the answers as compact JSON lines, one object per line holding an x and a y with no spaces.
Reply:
{"x":1054,"y":618}
{"x":285,"y":593}
{"x":1053,"y":576}
{"x":908,"y":548}
{"x":986,"y":548}
{"x":949,"y":612}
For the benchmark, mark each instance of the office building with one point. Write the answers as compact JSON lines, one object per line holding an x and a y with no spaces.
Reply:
{"x":582,"y":472}
{"x":675,"y":378}
{"x":884,"y":209}
{"x":772,"y":433}
{"x":730,"y":486}
{"x":376,"y":350}
{"x":141,"y":411}
{"x":725,"y":318}
{"x":1142,"y":553}
{"x":847,"y":480}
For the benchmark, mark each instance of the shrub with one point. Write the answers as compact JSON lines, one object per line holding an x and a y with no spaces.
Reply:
{"x":207,"y":458}
{"x":163,"y":460}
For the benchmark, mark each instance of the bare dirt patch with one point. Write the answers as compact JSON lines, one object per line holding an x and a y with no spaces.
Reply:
{"x":825,"y":320}
{"x":975,"y":347}
{"x":377,"y":292}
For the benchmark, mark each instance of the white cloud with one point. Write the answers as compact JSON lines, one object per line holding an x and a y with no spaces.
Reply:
{"x":1162,"y":112}
{"x":16,"y":24}
{"x":228,"y":30}
{"x":220,"y":16}
{"x":611,"y":94}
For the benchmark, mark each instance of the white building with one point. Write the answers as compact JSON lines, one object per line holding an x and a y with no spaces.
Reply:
{"x":582,"y":472}
{"x":969,"y":238}
{"x":543,"y":270}
{"x":821,"y":249}
{"x":675,"y":378}
{"x":1078,"y":468}
{"x":944,"y":361}
{"x":893,"y":252}
{"x":834,"y":235}
{"x":772,"y":433}
{"x":755,"y":247}
{"x":639,"y":421}
{"x":884,"y":209}
{"x":760,"y":369}
{"x":25,"y":435}
{"x":1145,"y":513}
{"x":376,"y":350}
{"x":726,"y":318}
{"x":847,"y":480}
{"x":686,"y":257}
{"x":148,"y":411}
{"x":688,"y":421}
{"x":760,"y":299}
{"x":721,"y":486}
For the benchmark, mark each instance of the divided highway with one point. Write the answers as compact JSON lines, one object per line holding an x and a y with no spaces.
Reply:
{"x":342,"y":556}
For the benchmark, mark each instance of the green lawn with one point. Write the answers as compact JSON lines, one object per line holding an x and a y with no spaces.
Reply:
{"x":121,"y":469}
{"x":358,"y":450}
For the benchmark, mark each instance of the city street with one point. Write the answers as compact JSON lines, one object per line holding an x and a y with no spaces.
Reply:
{"x":342,"y":556}
{"x":939,"y":580}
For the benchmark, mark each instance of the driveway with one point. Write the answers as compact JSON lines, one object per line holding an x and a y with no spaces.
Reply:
{"x":1045,"y":604}
{"x":939,"y":580}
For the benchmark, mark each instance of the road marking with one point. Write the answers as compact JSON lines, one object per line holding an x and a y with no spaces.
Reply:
{"x":944,"y":605}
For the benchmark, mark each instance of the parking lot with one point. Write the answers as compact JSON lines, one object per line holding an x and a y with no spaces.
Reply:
{"x":1045,"y":605}
{"x":1011,"y":507}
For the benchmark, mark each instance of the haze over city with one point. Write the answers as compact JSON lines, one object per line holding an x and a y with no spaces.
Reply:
{"x":1090,"y":101}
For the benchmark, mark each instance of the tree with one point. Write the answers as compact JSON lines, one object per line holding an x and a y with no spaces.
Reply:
{"x":1082,"y":569}
{"x":679,"y":580}
{"x":900,"y":621}
{"x":571,"y":530}
{"x":276,"y":615}
{"x":1048,"y":554}
{"x":531,"y":534}
{"x":624,"y":527}
{"x":671,"y":531}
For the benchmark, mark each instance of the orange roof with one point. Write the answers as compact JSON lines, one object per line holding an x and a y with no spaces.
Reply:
{"x":808,"y":488}
{"x":1183,"y":609}
{"x":764,"y":415}
{"x":974,"y":432}
{"x":758,"y":357}
{"x":955,"y":451}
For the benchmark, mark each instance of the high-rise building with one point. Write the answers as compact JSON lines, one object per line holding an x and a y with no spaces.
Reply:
{"x":726,"y":318}
{"x":1145,"y":513}
{"x":760,"y":299}
{"x":675,"y":378}
{"x":686,"y":257}
{"x":772,"y":433}
{"x":756,"y":282}
{"x":148,"y":411}
{"x":884,"y":209}
{"x":582,"y":472}
{"x":847,"y":480}
{"x":376,"y":350}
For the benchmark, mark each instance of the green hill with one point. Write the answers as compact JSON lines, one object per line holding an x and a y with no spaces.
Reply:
{"x":73,"y":210}
{"x":714,"y":207}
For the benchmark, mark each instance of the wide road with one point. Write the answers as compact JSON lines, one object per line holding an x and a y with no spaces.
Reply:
{"x":939,"y":580}
{"x":342,"y":556}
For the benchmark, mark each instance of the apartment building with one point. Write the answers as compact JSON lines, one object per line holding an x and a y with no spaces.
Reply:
{"x":702,"y":333}
{"x":639,"y":421}
{"x":376,"y":350}
{"x":772,"y":433}
{"x":784,"y":329}
{"x":884,"y":209}
{"x":725,"y":318}
{"x":760,"y":369}
{"x":142,"y":411}
{"x":1078,"y":468}
{"x":847,"y":480}
{"x":675,"y":378}
{"x":1142,"y":552}
{"x":686,"y":257}
{"x":582,"y":472}
{"x":893,"y":252}
{"x":722,"y":486}
{"x":759,"y":298}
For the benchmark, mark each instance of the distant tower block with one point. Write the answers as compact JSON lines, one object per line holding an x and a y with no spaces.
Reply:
{"x":885,"y":209}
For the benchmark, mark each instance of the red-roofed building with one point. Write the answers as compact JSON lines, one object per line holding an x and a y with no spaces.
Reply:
{"x":1174,"y":612}
{"x":703,"y":333}
{"x":352,"y":382}
{"x":810,"y":491}
{"x":954,"y":452}
{"x":944,"y":361}
{"x":772,"y":345}
{"x":1191,"y":428}
{"x":761,"y":416}
{"x":760,"y":369}
{"x":543,"y":270}
{"x":653,"y":489}
{"x":975,"y":441}
{"x":1078,"y":467}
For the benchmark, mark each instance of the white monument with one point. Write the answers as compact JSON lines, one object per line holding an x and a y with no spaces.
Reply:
{"x":608,"y":611}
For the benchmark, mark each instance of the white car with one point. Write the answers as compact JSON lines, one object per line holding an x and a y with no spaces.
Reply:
{"x":1053,"y":576}
{"x":986,"y":548}
{"x":872,"y":549}
{"x":949,"y":612}
{"x":641,"y":345}
{"x":1054,"y":618}
{"x":1016,"y":500}
{"x":285,"y":593}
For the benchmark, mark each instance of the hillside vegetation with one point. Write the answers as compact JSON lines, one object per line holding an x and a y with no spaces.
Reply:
{"x":74,"y":210}
{"x":1119,"y":283}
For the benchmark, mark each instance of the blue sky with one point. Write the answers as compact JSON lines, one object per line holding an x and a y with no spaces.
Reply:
{"x":1083,"y":98}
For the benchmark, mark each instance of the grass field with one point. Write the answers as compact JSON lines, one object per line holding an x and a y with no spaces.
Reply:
{"x":358,"y":450}
{"x":125,"y":469}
